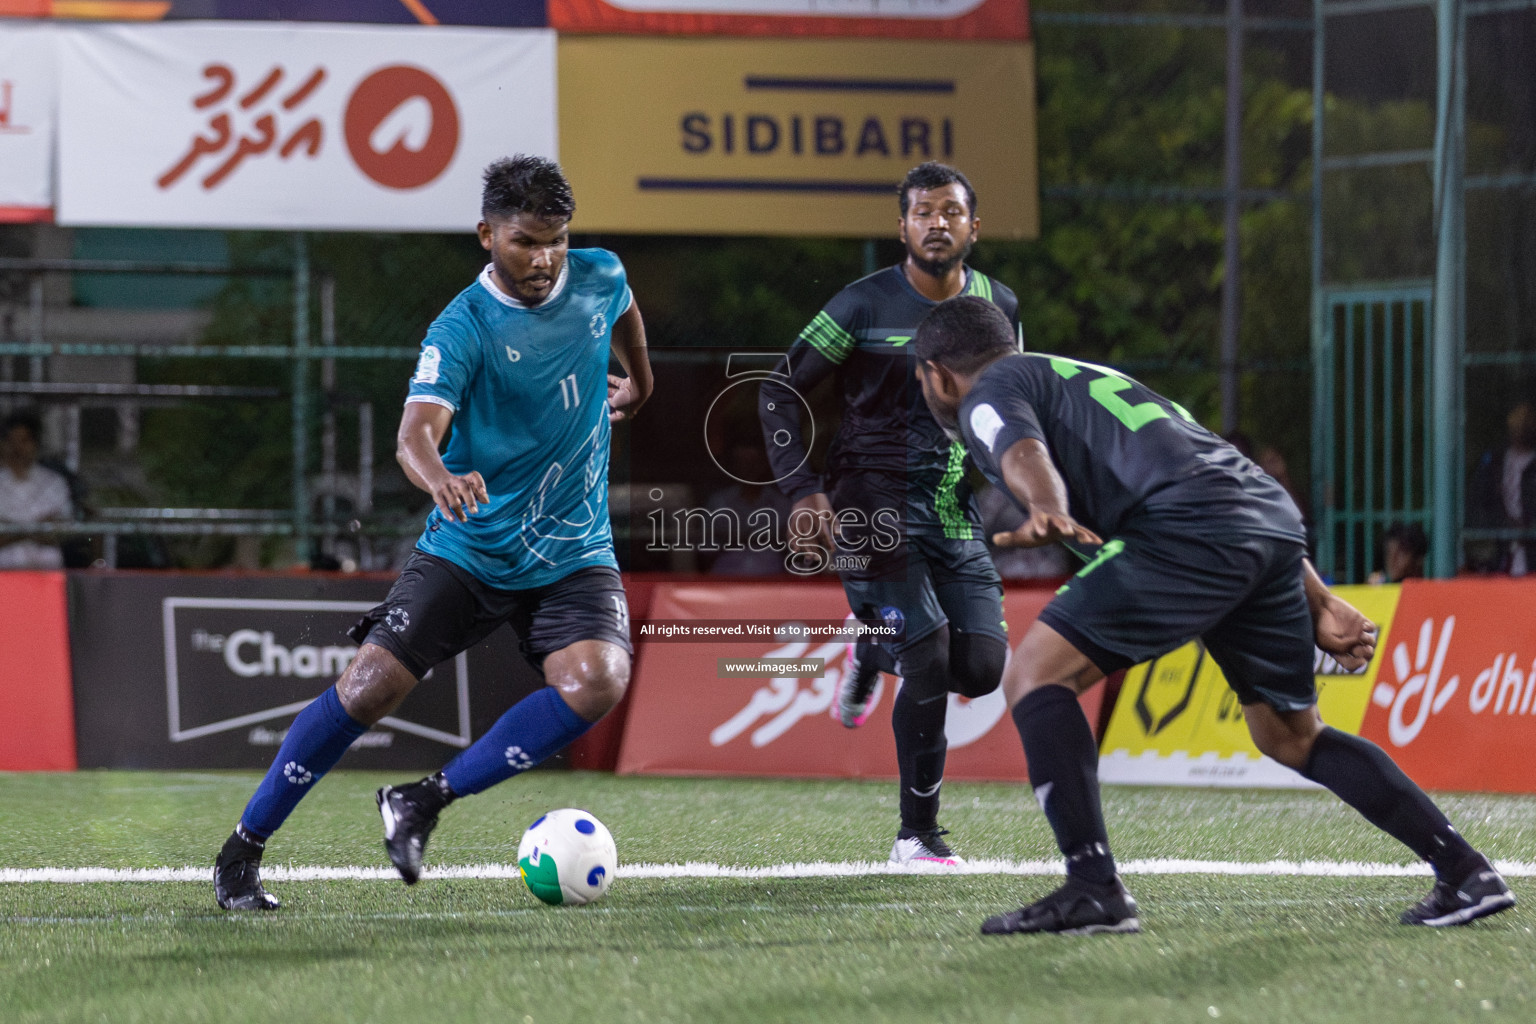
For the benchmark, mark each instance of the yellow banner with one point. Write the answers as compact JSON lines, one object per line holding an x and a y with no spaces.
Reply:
{"x":791,"y":137}
{"x":1177,"y":722}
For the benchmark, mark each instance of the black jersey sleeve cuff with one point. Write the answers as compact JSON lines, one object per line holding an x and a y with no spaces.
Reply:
{"x":1012,"y":434}
{"x":796,"y":489}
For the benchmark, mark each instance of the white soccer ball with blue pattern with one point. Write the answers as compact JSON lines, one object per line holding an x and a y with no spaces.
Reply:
{"x":567,"y":858}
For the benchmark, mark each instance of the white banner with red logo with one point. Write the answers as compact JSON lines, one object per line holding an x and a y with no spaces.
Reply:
{"x":304,"y":127}
{"x":685,"y":719}
{"x":28,"y":84}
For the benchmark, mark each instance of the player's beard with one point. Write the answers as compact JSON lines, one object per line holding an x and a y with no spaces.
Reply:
{"x":942,"y":266}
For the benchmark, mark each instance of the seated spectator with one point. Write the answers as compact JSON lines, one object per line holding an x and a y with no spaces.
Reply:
{"x":1000,"y":515}
{"x":1404,"y":548}
{"x":29,"y":493}
{"x":1503,"y":495}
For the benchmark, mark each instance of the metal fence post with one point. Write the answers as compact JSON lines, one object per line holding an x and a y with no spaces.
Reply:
{"x":301,"y":397}
{"x":1450,"y":253}
{"x":1231,"y":262}
{"x":328,"y":416}
{"x":1322,"y":351}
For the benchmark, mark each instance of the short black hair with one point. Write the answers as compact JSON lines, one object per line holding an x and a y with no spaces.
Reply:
{"x":1409,"y":536}
{"x":526,"y":184}
{"x":932,"y":175}
{"x":963,"y":334}
{"x":23,"y":418}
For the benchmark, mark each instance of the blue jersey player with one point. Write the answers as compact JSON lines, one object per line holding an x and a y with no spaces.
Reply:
{"x":517,"y":366}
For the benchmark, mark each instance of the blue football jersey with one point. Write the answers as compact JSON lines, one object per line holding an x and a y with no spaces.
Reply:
{"x":528,"y":386}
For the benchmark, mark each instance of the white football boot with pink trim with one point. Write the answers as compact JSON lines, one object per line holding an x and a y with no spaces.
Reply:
{"x":924,"y":849}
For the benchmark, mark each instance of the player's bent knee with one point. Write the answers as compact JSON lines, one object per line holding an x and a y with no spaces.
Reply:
{"x":1287,"y":739}
{"x":1045,"y":658}
{"x":976,"y":663}
{"x":592,"y":676}
{"x":1283,"y":736}
{"x":374,"y":684}
{"x":605,"y":689}
{"x":1016,"y":689}
{"x":1291,"y":751}
{"x":924,"y":667}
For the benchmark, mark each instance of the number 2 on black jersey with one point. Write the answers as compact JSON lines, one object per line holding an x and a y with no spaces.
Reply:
{"x":1105,"y":390}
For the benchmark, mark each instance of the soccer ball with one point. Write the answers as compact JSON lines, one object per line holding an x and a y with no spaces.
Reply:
{"x":567,"y":858}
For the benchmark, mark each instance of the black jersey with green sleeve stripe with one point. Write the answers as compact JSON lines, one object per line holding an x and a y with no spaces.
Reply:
{"x":888,"y":451}
{"x":1123,"y":451}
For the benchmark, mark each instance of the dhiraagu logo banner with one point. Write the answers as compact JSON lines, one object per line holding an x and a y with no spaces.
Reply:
{"x":1177,"y":722}
{"x":791,"y":136}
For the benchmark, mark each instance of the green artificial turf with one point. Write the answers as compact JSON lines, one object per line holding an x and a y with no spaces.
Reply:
{"x":866,"y":949}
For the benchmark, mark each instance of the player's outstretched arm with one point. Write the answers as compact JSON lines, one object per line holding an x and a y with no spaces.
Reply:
{"x":1033,"y":480}
{"x":422,"y":428}
{"x":779,"y":402}
{"x":627,"y":394}
{"x":1342,"y":630}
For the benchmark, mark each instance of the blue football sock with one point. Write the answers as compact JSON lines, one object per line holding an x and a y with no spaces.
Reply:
{"x":315,"y":742}
{"x":535,"y":727}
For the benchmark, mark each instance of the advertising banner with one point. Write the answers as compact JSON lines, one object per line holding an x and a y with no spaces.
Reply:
{"x":504,"y":13}
{"x":303,"y":127}
{"x":1177,"y":722}
{"x":920,"y":19}
{"x":802,"y":137}
{"x":1455,"y":703}
{"x":28,"y":84}
{"x":208,"y":671}
{"x":689,"y":716}
{"x":37,"y":730}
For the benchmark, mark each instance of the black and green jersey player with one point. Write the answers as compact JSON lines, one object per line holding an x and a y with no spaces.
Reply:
{"x":908,"y":537}
{"x":1196,"y":542}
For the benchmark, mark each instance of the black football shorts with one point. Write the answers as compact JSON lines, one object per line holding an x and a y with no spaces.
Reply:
{"x":1150,"y":591}
{"x":928,"y":582}
{"x":435,"y":609}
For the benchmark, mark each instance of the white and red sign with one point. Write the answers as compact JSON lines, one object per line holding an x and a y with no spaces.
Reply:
{"x":685,"y":720}
{"x":303,"y":127}
{"x":1455,"y":699}
{"x":28,"y":84}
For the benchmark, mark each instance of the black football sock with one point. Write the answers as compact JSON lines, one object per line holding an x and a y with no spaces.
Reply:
{"x":242,"y":845}
{"x":1362,"y":775}
{"x":431,"y":794}
{"x":870,"y":652}
{"x":1064,"y":771}
{"x":920,"y":748}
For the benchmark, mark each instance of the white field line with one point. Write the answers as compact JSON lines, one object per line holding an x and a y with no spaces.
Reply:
{"x":815,"y":869}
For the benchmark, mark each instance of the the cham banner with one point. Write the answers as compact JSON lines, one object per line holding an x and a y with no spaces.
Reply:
{"x":314,"y":127}
{"x":791,"y":137}
{"x":28,"y":83}
{"x":920,"y":19}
